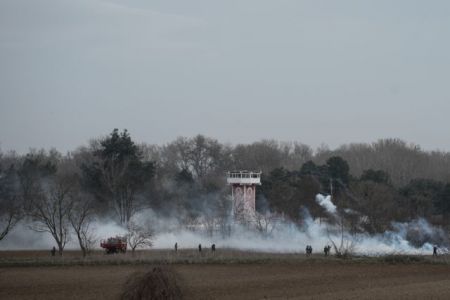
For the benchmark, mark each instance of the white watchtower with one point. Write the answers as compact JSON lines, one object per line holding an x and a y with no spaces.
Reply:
{"x":243,"y":191}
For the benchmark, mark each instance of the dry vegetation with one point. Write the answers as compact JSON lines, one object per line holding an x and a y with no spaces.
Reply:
{"x":228,"y":274}
{"x":159,"y":283}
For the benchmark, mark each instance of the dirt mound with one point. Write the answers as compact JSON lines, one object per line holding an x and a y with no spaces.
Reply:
{"x":160,"y":283}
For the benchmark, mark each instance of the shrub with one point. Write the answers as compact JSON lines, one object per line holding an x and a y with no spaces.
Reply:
{"x":160,"y":283}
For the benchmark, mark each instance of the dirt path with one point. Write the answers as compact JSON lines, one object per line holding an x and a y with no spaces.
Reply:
{"x":238,"y":281}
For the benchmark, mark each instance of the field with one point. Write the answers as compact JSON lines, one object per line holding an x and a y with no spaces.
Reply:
{"x":227,"y":274}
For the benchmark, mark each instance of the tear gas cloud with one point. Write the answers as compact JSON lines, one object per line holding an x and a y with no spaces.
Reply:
{"x":325,"y":202}
{"x":289,"y":238}
{"x":22,"y":237}
{"x":285,"y":237}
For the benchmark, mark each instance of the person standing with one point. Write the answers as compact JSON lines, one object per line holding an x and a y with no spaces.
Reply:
{"x":176,"y":247}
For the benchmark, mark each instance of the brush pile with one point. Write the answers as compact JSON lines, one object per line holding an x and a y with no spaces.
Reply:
{"x":160,"y":283}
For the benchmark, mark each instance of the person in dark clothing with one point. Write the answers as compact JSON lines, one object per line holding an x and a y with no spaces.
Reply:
{"x":435,"y":248}
{"x":176,"y":247}
{"x":53,"y":251}
{"x":199,"y":247}
{"x":213,"y":248}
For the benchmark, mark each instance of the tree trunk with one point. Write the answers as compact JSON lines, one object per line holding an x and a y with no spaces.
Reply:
{"x":82,"y":246}
{"x":60,"y":248}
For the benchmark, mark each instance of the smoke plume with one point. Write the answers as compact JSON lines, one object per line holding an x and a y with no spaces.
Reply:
{"x":416,"y":237}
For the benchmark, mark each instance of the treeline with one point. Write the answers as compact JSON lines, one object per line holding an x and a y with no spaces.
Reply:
{"x":114,"y":177}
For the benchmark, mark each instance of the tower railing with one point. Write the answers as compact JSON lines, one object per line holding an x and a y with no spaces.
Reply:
{"x":244,"y":177}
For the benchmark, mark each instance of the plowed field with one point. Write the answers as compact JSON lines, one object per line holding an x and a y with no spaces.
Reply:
{"x":291,"y":279}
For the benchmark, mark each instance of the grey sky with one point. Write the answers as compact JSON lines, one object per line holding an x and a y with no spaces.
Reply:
{"x":313,"y":71}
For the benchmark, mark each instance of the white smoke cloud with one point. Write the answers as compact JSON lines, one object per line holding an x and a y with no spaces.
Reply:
{"x":286,"y":238}
{"x":325,"y":202}
{"x":290,"y":239}
{"x":23,"y":238}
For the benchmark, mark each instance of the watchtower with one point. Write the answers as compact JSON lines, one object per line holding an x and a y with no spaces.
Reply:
{"x":243,"y":191}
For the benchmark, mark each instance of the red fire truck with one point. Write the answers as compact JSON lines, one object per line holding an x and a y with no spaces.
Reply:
{"x":117,"y":244}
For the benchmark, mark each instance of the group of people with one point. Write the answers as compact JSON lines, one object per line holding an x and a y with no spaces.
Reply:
{"x":213,"y":247}
{"x":326,"y":250}
{"x":309,"y":249}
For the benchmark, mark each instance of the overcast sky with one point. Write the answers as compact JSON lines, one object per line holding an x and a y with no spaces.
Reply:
{"x":312,"y":71}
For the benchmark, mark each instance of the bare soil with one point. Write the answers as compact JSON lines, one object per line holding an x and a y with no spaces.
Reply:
{"x":274,"y":279}
{"x":323,"y":281}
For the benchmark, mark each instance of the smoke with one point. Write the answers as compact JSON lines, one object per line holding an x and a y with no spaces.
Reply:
{"x":289,"y":238}
{"x":325,"y":202}
{"x":416,"y":237}
{"x":23,"y":238}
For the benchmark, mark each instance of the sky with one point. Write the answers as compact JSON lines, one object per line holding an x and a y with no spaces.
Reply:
{"x":315,"y":71}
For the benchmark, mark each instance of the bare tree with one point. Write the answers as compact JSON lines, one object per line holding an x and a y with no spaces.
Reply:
{"x":223,"y":215}
{"x":343,"y":241}
{"x":380,"y":203}
{"x":266,"y":222}
{"x":199,"y":155}
{"x":81,"y":218}
{"x":294,"y":155}
{"x":50,"y":211}
{"x":204,"y":155}
{"x":264,"y":155}
{"x":8,"y":219}
{"x":401,"y":160}
{"x":10,"y":198}
{"x":209,"y":222}
{"x":139,"y":235}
